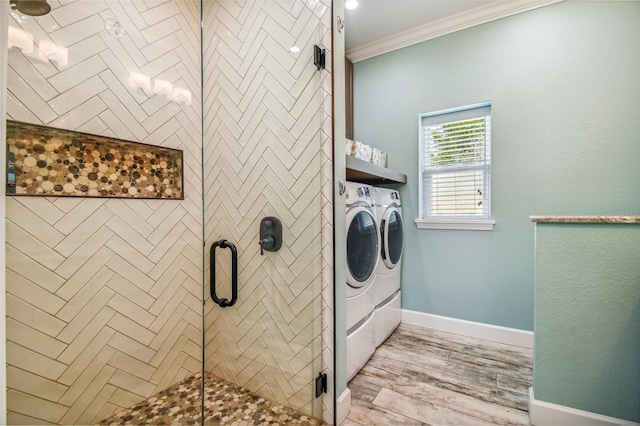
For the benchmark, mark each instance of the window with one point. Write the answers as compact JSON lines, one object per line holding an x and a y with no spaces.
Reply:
{"x":455,"y":168}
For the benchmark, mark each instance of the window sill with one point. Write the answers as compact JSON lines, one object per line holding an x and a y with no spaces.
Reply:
{"x":462,"y":224}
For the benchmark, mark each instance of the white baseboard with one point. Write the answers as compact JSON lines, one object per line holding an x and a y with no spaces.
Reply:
{"x":343,"y":406}
{"x":495,"y":333}
{"x":545,"y":413}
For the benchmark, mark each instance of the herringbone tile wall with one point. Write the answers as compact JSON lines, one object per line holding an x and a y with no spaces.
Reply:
{"x":267,"y":120}
{"x":104,"y":296}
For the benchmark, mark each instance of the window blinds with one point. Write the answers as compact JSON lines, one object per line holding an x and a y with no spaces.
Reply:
{"x":456,"y":163}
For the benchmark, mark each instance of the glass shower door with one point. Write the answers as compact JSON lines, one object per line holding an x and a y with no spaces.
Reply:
{"x":263,"y":119}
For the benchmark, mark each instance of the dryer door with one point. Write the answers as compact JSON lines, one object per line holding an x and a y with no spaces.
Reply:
{"x":392,"y":237}
{"x":362,"y":246}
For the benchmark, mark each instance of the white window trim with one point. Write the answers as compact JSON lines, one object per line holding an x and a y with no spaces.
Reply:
{"x":461,"y":224}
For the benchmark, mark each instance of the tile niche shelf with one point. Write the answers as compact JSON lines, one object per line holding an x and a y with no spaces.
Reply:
{"x":362,"y":171}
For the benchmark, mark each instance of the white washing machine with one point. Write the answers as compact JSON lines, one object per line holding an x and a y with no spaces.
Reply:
{"x":388,"y":211}
{"x":363,"y":244}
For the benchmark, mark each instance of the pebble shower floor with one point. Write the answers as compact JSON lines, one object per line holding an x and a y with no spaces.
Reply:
{"x":225,"y":404}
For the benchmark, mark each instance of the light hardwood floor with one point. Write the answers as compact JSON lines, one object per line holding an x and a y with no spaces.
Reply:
{"x":421,"y":376}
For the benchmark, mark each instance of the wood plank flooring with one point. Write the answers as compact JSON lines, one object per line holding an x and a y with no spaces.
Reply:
{"x":421,"y":376}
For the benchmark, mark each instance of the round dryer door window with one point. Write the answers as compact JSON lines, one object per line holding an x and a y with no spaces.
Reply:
{"x":362,"y":247}
{"x":392,"y":238}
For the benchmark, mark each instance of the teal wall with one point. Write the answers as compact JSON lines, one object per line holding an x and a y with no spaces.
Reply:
{"x":587,"y":326}
{"x":564,"y":84}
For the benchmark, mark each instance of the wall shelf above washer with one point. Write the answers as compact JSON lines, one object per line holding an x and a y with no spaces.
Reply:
{"x":362,"y":171}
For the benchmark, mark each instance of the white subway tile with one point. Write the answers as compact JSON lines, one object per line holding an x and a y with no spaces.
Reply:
{"x":29,"y":96}
{"x":78,"y":94}
{"x":78,"y":73}
{"x":77,"y":11}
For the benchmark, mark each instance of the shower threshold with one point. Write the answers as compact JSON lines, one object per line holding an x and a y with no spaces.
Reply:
{"x":225,"y":404}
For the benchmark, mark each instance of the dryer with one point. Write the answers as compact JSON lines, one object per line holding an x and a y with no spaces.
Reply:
{"x":387,"y":295}
{"x":363,"y":244}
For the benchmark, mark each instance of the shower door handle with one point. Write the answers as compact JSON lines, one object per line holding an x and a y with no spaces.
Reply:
{"x":224,"y":302}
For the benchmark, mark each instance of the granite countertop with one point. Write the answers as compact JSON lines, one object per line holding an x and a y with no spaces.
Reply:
{"x":585,"y":219}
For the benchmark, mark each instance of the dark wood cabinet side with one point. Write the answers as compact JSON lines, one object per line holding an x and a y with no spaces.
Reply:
{"x":348,"y":69}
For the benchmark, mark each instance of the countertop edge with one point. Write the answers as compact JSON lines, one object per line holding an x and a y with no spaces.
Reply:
{"x":586,"y":219}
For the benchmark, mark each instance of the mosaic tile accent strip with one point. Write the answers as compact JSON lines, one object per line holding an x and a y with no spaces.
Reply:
{"x":225,"y":404}
{"x":56,"y":162}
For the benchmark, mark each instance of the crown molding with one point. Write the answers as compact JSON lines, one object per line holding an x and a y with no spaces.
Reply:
{"x":487,"y":13}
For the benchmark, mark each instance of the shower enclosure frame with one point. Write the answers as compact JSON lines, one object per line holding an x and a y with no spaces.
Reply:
{"x":4,"y":15}
{"x":4,"y":60}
